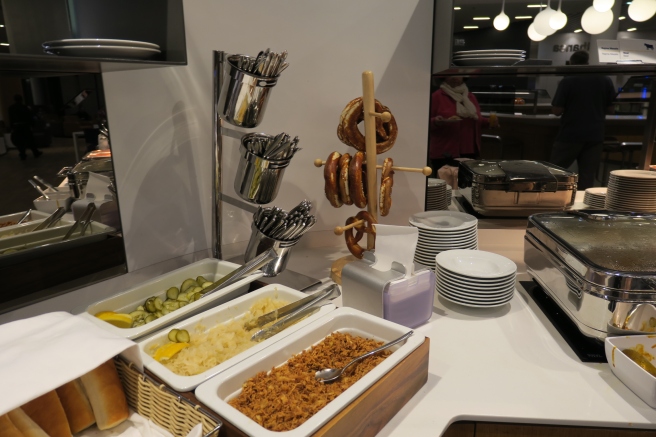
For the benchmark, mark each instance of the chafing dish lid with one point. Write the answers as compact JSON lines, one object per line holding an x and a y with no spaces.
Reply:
{"x":96,"y":165}
{"x":519,"y":175}
{"x":601,"y":243}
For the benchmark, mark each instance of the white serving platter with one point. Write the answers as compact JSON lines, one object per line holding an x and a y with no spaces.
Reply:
{"x":630,"y":373}
{"x":99,"y":42}
{"x":221,"y":314}
{"x":216,"y":392}
{"x":127,"y":301}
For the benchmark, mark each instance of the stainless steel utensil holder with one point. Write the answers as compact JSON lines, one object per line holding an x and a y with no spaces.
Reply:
{"x":243,"y":97}
{"x":258,"y":179}
{"x":260,"y":243}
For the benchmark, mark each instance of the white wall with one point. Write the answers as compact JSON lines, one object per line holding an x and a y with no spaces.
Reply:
{"x":161,"y":118}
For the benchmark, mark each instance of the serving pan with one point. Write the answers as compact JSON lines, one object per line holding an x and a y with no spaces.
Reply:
{"x":599,"y":267}
{"x":15,"y":230}
{"x":216,"y":392}
{"x":34,"y":215}
{"x":128,"y":300}
{"x":515,"y":188}
{"x":205,"y":321}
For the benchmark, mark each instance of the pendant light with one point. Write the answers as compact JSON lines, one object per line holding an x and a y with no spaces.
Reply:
{"x":642,"y":10}
{"x":559,"y":19}
{"x":595,"y":22}
{"x":603,"y":5}
{"x":501,"y":21}
{"x":532,"y":33}
{"x":541,"y":21}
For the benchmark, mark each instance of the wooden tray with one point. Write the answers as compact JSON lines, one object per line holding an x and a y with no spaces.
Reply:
{"x":366,"y":415}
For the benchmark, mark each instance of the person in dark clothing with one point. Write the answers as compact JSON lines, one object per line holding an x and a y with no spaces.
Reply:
{"x":582,"y":102}
{"x":21,"y":119}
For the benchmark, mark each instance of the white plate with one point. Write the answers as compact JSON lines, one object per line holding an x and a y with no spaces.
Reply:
{"x":600,"y":191}
{"x":443,"y":221}
{"x":486,"y":62}
{"x":127,"y":301}
{"x":99,"y":41}
{"x":486,"y":51}
{"x":447,"y":240}
{"x":475,"y":286}
{"x":475,"y":298}
{"x":634,"y":174}
{"x":458,"y":290}
{"x":435,"y":182}
{"x":476,"y":263}
{"x":474,"y":283}
{"x":471,"y":304}
{"x":104,"y":51}
{"x":216,"y":392}
{"x":215,"y":316}
{"x":490,"y":55}
{"x":631,"y":374}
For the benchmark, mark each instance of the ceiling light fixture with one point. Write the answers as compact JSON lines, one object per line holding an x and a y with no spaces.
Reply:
{"x":533,"y":34}
{"x":603,"y":5}
{"x":642,"y":10}
{"x":595,"y":22}
{"x":578,"y":31}
{"x":470,"y":27}
{"x":535,"y":6}
{"x":541,"y":21}
{"x":523,"y":17}
{"x":559,"y":19}
{"x":481,"y":18}
{"x":501,"y":21}
{"x":457,"y":8}
{"x":621,"y":18}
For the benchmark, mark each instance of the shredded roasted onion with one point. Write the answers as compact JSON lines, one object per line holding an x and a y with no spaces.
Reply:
{"x":287,"y":396}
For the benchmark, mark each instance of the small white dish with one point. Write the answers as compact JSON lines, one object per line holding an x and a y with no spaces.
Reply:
{"x":474,"y":295}
{"x":207,"y":320}
{"x":641,"y":382}
{"x":127,"y":301}
{"x":216,"y":392}
{"x":475,"y":288}
{"x":473,"y":299}
{"x":472,"y":305}
{"x":476,"y":263}
{"x":634,"y":174}
{"x":476,"y":282}
{"x":443,"y":220}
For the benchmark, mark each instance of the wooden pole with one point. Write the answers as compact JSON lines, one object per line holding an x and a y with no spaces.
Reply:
{"x":370,"y":146}
{"x":426,"y":171}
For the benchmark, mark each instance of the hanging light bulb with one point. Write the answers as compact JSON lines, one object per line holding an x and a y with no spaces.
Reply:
{"x":559,"y":19}
{"x":501,"y":21}
{"x":642,"y":10}
{"x":533,"y":34}
{"x":603,"y":5}
{"x":541,"y":21}
{"x":595,"y":22}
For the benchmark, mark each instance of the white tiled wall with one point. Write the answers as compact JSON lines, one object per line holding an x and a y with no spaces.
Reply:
{"x":161,"y":118}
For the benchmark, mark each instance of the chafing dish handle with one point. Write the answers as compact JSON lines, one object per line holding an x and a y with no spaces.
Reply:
{"x":602,"y":214}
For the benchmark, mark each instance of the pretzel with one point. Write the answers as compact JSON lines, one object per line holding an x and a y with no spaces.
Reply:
{"x":386,"y":182}
{"x":349,"y":134}
{"x":357,"y":181}
{"x":343,"y":169}
{"x":330,"y":176}
{"x":361,"y":229}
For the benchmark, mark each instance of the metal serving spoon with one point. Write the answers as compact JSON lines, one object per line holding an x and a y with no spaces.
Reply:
{"x":329,"y":375}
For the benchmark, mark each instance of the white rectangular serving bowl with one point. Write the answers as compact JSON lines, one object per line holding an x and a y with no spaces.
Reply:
{"x":216,"y":392}
{"x":631,"y":374}
{"x":24,"y":228}
{"x":34,"y":215}
{"x":56,"y":199}
{"x":228,"y":311}
{"x":52,"y":235}
{"x":127,"y":301}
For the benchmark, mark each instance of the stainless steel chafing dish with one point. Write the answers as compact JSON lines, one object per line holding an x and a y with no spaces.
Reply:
{"x":599,"y":267}
{"x":78,"y":176}
{"x":516,"y":188}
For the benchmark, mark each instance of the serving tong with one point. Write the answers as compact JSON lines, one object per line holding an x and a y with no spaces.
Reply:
{"x":84,"y":221}
{"x":280,"y":147}
{"x":51,"y":220}
{"x":266,"y":64}
{"x":291,"y":313}
{"x":281,"y":225}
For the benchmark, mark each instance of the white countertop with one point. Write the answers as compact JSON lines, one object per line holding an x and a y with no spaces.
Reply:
{"x":506,"y":364}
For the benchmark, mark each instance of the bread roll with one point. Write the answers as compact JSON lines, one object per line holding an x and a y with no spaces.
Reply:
{"x":7,"y":427}
{"x":26,"y":426}
{"x":48,"y":413}
{"x":103,"y":387}
{"x":76,"y":405}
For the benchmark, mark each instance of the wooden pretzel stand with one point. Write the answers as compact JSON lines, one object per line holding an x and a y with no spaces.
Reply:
{"x":368,"y":101}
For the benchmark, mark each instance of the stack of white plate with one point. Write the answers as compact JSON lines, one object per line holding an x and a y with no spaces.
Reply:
{"x":475,"y":278}
{"x":102,"y":48}
{"x":631,"y":190}
{"x":595,"y":197}
{"x":487,"y":58}
{"x":443,"y":230}
{"x":437,"y":195}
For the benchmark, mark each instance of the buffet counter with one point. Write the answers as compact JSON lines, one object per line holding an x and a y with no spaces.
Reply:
{"x":506,"y":364}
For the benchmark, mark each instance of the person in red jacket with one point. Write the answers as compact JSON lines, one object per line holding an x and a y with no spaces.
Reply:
{"x":455,"y":124}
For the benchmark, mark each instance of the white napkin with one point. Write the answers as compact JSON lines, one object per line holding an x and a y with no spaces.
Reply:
{"x":42,"y":353}
{"x":396,"y":243}
{"x":136,"y":426}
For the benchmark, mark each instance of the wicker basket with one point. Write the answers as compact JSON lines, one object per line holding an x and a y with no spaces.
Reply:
{"x":163,"y":405}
